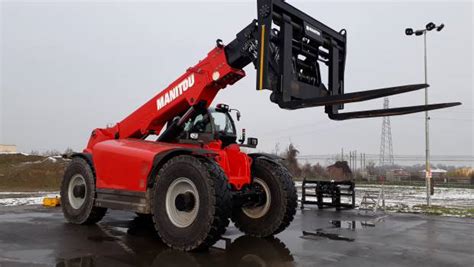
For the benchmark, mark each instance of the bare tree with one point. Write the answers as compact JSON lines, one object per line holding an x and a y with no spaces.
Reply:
{"x":306,"y":171}
{"x":319,"y":171}
{"x":371,"y":169}
{"x":50,"y":153}
{"x":68,"y":151}
{"x":291,"y":162}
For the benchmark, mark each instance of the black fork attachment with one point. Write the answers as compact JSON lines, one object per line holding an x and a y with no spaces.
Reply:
{"x":291,"y":47}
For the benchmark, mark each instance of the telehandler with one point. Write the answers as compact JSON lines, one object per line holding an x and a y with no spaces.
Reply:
{"x":193,"y":178}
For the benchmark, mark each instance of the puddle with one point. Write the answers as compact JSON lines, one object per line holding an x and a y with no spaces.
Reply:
{"x":318,"y":234}
{"x":355,"y":224}
{"x":139,"y":246}
{"x":352,"y":225}
{"x":242,"y":251}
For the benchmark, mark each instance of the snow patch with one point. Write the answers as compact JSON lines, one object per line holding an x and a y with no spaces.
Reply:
{"x":14,"y":153}
{"x":407,"y":198}
{"x":24,"y":198}
{"x":52,"y":159}
{"x":21,"y":201}
{"x":29,"y":193}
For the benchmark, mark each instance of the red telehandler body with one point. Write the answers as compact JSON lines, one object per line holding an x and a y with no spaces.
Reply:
{"x":194,"y":177}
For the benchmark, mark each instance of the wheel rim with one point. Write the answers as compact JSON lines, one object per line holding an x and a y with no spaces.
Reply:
{"x":77,"y":191}
{"x":260,"y":211}
{"x":182,"y":202}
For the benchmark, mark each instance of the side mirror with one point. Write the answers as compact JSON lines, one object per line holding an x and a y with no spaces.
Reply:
{"x":237,"y":113}
{"x":252,"y":142}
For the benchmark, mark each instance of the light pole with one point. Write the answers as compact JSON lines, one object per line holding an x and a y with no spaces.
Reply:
{"x":409,"y":31}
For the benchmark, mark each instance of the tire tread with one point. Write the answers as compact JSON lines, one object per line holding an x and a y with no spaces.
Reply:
{"x":95,"y":214}
{"x":289,"y":195}
{"x":221,"y":200}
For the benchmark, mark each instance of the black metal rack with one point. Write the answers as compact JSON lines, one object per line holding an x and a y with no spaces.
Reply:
{"x":333,"y":190}
{"x":294,"y":52}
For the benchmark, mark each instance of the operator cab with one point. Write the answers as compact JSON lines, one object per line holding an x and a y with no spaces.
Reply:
{"x":214,"y":124}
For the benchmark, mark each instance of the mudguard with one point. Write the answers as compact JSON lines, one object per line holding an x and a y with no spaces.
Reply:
{"x":162,"y":157}
{"x":267,"y":156}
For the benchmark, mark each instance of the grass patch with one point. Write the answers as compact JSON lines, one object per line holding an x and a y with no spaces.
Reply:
{"x":30,"y":173}
{"x":433,"y":210}
{"x":440,"y":210}
{"x":414,"y":183}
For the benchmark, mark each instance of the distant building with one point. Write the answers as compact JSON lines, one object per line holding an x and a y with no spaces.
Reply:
{"x":7,"y":148}
{"x":340,"y":171}
{"x":397,"y":175}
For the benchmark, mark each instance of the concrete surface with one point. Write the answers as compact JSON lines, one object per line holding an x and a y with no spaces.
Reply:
{"x":37,"y":236}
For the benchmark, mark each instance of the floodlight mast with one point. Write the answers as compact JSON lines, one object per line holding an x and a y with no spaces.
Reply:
{"x":428,"y":176}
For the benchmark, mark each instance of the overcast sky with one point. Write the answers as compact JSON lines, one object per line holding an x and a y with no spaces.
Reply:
{"x":67,"y":68}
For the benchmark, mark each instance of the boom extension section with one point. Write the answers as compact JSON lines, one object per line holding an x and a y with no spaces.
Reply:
{"x":289,"y":48}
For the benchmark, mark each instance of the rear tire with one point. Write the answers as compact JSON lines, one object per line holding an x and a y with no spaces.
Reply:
{"x":78,"y":194}
{"x":191,"y":203}
{"x":273,"y":216}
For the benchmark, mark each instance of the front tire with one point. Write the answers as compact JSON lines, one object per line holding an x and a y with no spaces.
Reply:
{"x":191,"y":203}
{"x":277,"y":211}
{"x":78,"y":194}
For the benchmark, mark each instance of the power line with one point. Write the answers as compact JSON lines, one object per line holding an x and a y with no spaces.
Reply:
{"x":402,"y":158}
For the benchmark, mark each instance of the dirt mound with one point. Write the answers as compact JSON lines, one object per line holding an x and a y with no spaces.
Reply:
{"x":21,"y":172}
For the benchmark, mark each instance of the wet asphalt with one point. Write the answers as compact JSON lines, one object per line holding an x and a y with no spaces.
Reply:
{"x":37,"y":236}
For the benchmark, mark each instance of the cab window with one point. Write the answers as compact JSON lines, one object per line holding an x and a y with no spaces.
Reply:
{"x":222,"y":123}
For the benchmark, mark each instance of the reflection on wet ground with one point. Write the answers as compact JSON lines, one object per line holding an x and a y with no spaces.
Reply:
{"x":99,"y":238}
{"x":35,"y":236}
{"x":319,"y":233}
{"x":144,"y":248}
{"x":341,"y":224}
{"x":352,"y":225}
